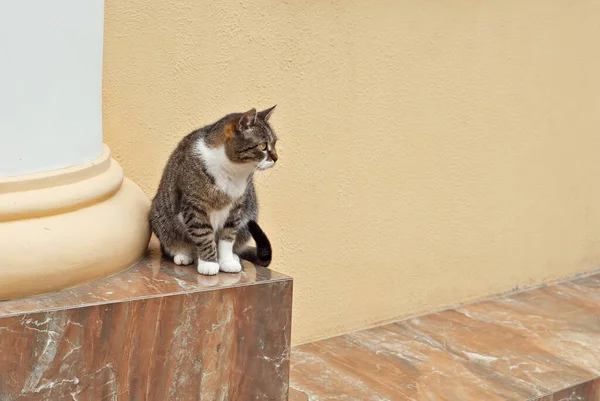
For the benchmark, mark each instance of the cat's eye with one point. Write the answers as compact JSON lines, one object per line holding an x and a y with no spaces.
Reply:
{"x":263,"y":146}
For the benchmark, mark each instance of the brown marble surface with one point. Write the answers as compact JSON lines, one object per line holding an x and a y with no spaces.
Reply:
{"x":153,"y":333}
{"x":521,"y":346}
{"x":152,"y":277}
{"x":588,"y":391}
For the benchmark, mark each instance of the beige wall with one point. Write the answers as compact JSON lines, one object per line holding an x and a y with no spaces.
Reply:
{"x":432,"y":152}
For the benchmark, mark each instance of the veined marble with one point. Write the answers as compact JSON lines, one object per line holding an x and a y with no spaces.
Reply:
{"x":156,"y":332}
{"x":588,"y":391}
{"x":542,"y":344}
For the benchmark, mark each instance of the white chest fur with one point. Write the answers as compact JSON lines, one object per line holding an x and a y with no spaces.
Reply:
{"x":218,"y":218}
{"x":231,"y":178}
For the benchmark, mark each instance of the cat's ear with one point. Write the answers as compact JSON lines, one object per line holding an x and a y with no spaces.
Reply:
{"x":246,"y":120}
{"x":266,"y":114}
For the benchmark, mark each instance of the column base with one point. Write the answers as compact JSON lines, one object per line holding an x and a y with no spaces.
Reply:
{"x":68,"y":227}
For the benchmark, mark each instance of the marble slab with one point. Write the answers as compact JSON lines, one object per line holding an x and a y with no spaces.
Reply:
{"x":588,"y":391}
{"x":535,"y":344}
{"x":155,"y":332}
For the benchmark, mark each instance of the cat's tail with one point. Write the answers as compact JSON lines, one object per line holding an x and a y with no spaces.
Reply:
{"x":262,"y":254}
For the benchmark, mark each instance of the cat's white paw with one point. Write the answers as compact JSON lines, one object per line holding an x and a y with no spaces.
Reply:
{"x":208,"y":268}
{"x":182,"y":259}
{"x":231,"y":265}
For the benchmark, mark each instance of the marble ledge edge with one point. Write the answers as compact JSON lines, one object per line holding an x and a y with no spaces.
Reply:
{"x":548,"y":397}
{"x":191,"y":291}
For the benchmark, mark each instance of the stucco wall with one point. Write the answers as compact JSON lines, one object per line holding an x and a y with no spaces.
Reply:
{"x":430,"y":152}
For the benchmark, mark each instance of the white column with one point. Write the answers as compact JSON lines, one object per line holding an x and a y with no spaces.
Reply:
{"x":67,"y":214}
{"x":50,"y":84}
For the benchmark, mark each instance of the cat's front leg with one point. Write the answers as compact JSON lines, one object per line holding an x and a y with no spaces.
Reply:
{"x":228,"y":261}
{"x":202,"y":235}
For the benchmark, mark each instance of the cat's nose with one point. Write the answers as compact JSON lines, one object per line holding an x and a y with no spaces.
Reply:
{"x":274,"y":156}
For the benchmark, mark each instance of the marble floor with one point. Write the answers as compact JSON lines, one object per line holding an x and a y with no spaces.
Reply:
{"x":541,"y":344}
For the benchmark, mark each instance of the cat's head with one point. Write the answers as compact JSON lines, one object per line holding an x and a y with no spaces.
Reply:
{"x":249,"y":139}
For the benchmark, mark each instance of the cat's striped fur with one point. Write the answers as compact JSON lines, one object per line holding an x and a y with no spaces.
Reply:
{"x":206,"y":206}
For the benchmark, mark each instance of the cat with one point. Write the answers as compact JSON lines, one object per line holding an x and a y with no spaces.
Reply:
{"x":206,"y":207}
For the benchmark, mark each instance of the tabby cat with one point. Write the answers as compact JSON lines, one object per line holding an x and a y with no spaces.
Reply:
{"x":206,"y":207}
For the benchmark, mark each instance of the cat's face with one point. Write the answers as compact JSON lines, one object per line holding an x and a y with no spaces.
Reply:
{"x":251,"y":140}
